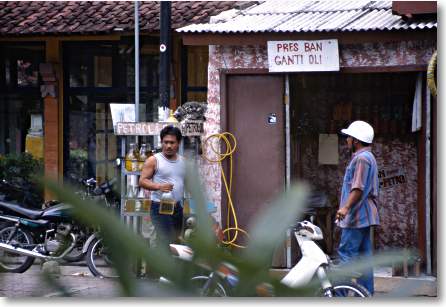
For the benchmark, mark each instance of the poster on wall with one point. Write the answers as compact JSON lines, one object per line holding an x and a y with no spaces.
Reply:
{"x":315,"y":55}
{"x":122,"y":112}
{"x":328,"y":149}
{"x":125,"y":112}
{"x":390,"y":177}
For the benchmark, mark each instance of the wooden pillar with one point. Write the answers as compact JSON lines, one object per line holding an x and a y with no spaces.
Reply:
{"x":421,"y":236}
{"x":52,"y":99}
{"x":434,"y":186}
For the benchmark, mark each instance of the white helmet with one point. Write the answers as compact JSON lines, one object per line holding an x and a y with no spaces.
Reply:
{"x":361,"y":131}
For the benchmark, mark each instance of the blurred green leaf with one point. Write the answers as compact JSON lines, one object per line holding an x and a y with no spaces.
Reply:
{"x":204,"y":241}
{"x":55,"y":283}
{"x":384,"y":258}
{"x":253,"y":263}
{"x":269,"y":227}
{"x":125,"y":246}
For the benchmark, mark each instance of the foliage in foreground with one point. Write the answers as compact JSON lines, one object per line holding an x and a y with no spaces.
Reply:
{"x":253,"y":262}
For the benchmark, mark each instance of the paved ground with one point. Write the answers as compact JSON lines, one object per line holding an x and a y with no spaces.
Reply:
{"x":76,"y":280}
{"x":388,"y":285}
{"x":79,"y":282}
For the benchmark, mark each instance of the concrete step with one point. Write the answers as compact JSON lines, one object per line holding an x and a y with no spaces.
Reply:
{"x":397,"y":286}
{"x":387,"y":285}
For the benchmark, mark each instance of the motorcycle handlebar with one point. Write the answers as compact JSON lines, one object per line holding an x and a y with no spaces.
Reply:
{"x":90,"y":182}
{"x":108,"y":183}
{"x":105,"y":187}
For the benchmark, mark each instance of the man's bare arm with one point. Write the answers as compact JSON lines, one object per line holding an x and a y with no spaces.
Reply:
{"x":352,"y":199}
{"x":147,"y":172}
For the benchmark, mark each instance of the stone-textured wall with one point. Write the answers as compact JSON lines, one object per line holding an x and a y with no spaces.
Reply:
{"x":398,"y":209}
{"x":397,"y":199}
{"x":386,"y":54}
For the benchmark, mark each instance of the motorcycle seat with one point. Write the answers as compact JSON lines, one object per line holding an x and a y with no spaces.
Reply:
{"x":29,"y":213}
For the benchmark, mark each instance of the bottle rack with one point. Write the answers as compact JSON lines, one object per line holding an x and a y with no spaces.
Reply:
{"x":131,"y":206}
{"x":134,"y":130}
{"x":127,"y":131}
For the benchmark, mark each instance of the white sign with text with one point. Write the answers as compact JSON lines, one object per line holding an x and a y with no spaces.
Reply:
{"x":315,"y":55}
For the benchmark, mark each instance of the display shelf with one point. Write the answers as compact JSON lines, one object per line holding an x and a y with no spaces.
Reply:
{"x":126,"y":172}
{"x":137,"y":213}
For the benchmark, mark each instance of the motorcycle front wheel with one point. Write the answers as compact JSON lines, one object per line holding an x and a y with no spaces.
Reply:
{"x":98,"y":260}
{"x":199,"y":282}
{"x":347,"y":289}
{"x":13,"y":262}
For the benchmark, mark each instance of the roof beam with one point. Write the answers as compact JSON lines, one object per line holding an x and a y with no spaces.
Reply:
{"x":414,"y":7}
{"x":200,"y":39}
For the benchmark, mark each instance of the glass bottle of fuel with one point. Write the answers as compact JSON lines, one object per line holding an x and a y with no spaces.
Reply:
{"x":142,"y":156}
{"x":131,"y":162}
{"x":130,"y":199}
{"x":139,"y":200}
{"x":167,"y":203}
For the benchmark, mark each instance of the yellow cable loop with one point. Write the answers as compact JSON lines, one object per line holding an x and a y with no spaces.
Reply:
{"x":230,"y":149}
{"x":431,"y":74}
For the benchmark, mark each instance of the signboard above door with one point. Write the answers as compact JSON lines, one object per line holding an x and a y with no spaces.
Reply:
{"x":315,"y":55}
{"x":188,"y":128}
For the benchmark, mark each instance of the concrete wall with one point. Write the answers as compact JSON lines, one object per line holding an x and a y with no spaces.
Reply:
{"x":398,"y":209}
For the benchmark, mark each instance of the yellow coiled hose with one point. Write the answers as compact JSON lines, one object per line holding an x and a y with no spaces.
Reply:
{"x":231,"y":144}
{"x":431,"y":74}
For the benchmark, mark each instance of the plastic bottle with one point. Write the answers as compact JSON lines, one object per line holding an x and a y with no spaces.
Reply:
{"x":139,"y":200}
{"x":186,"y":203}
{"x":149,"y":151}
{"x":167,"y":203}
{"x":142,"y":156}
{"x":146,"y":203}
{"x":131,"y":162}
{"x":130,"y":201}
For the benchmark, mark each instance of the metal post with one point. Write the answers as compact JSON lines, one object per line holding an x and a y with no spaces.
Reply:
{"x":165,"y":26}
{"x":428,"y":182}
{"x":287,"y":132}
{"x":289,"y":265}
{"x":123,"y":178}
{"x":136,"y":221}
{"x":137,"y":61}
{"x":287,"y":163}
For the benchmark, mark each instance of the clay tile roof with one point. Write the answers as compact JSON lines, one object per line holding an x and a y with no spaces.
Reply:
{"x":98,"y":17}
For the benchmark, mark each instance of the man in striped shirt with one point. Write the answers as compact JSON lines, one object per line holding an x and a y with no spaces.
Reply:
{"x":358,"y":210}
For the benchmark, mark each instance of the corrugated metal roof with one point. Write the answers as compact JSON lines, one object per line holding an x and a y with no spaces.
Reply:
{"x":311,"y":16}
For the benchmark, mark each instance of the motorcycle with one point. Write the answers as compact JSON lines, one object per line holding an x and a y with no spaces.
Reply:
{"x":314,"y":264}
{"x":102,"y":194}
{"x":100,"y":264}
{"x":54,"y":227}
{"x":47,"y":234}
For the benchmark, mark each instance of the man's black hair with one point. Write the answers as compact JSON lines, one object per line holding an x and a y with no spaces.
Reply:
{"x":364,"y":143}
{"x":171,"y":130}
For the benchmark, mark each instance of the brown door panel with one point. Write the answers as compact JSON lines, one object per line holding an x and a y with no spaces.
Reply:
{"x":259,"y":160}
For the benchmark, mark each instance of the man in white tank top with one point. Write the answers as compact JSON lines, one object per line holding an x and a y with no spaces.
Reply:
{"x":164,"y":172}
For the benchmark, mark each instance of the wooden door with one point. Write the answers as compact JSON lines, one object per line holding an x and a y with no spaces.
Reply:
{"x":254,"y":112}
